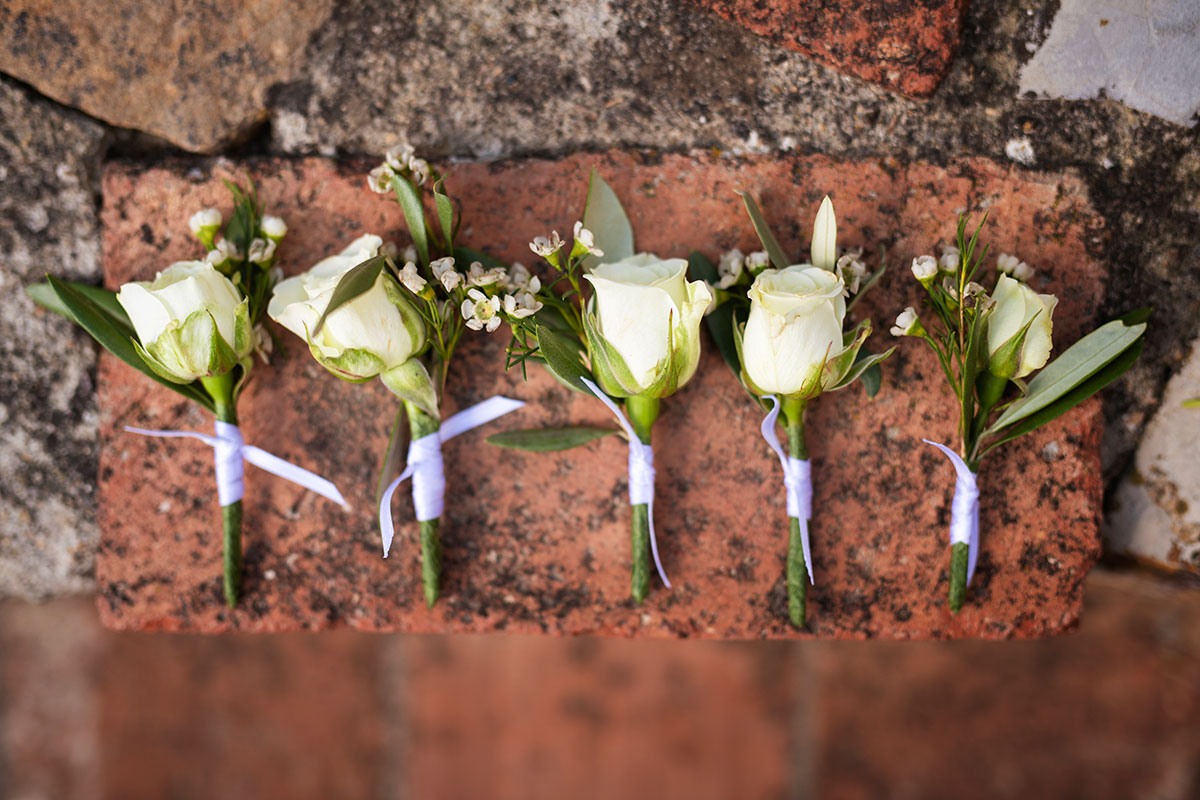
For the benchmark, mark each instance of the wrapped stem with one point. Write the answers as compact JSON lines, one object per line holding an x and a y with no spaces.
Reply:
{"x":642,"y":413}
{"x":220,"y":387}
{"x":422,"y":425}
{"x":797,"y":575}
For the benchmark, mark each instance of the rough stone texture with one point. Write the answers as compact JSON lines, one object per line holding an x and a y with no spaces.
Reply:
{"x":598,"y":719}
{"x":902,"y":44}
{"x":48,"y":222}
{"x":1146,"y":55}
{"x":1108,"y":713}
{"x":1155,"y":512}
{"x":539,"y":542}
{"x":194,"y":73}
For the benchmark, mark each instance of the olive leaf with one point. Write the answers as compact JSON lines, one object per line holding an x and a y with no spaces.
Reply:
{"x":356,"y":281}
{"x":544,"y":440}
{"x":606,"y":219}
{"x":778,"y":258}
{"x":414,"y":215}
{"x":562,"y":358}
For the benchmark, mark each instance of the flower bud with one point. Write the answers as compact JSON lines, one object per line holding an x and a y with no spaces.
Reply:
{"x":824,"y":240}
{"x":273,"y":228}
{"x":925,"y":269}
{"x":190,"y":321}
{"x":794,"y":329}
{"x":1019,"y":329}
{"x":375,"y":332}
{"x":644,"y":330}
{"x":204,"y":225}
{"x":908,"y":324}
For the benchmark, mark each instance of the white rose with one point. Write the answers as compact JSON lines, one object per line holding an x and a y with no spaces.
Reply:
{"x":649,"y":315}
{"x":375,"y":332}
{"x":795,"y":327}
{"x":190,"y":321}
{"x":1016,"y":305}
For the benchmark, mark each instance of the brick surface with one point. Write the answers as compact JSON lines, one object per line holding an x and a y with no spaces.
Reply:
{"x":1109,"y":712}
{"x":538,"y":543}
{"x":295,"y":716}
{"x":906,"y":45}
{"x":515,"y":717}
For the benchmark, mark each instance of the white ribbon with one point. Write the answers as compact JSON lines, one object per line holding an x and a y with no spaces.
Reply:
{"x":797,"y":481}
{"x":964,"y":510}
{"x":425,"y":464}
{"x":230,"y":450}
{"x":641,"y":473}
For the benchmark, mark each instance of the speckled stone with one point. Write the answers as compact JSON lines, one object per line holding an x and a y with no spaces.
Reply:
{"x":539,"y":542}
{"x":906,"y":45}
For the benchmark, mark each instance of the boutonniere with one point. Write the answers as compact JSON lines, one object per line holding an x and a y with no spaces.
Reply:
{"x":194,"y":329}
{"x":781,"y":328}
{"x":992,"y":346}
{"x":630,"y":341}
{"x":364,"y":314}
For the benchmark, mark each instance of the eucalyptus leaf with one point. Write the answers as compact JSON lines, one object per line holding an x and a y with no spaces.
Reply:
{"x":778,"y":258}
{"x":1079,"y":361}
{"x":606,"y":219}
{"x":1076,"y":395}
{"x":562,"y":358}
{"x":357,"y":280}
{"x":113,"y":337}
{"x":414,"y":215}
{"x":720,"y":320}
{"x":872,"y":379}
{"x":545,"y":440}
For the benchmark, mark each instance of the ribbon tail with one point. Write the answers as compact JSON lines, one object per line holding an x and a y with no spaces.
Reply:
{"x":662,"y":573}
{"x":386,"y":529}
{"x":290,"y":472}
{"x":807,"y":550}
{"x":973,"y":543}
{"x":476,"y":415}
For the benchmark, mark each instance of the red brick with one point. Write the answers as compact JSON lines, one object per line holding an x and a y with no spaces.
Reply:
{"x":515,"y":717}
{"x":539,"y":543}
{"x":1109,"y":712}
{"x":293,"y":716}
{"x":906,"y":45}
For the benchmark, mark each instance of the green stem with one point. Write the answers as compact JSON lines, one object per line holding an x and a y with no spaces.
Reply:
{"x":642,"y":412}
{"x":796,"y":574}
{"x":421,"y":425}
{"x":220,"y":388}
{"x":958,"y":575}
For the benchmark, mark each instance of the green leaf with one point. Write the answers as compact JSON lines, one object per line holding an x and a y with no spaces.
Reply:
{"x":1193,"y":402}
{"x":112,"y":337}
{"x":357,"y":280}
{"x":778,"y":258}
{"x":719,"y":321}
{"x":44,"y":295}
{"x":545,"y":440}
{"x":445,"y":211}
{"x":872,"y":379}
{"x":1065,"y":402}
{"x":414,"y":214}
{"x":1082,"y":359}
{"x":606,"y":219}
{"x":562,"y":358}
{"x":393,"y":457}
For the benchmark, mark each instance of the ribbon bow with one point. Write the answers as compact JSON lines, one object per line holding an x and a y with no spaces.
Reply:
{"x":797,"y":481}
{"x":964,"y":510}
{"x":425,"y":466}
{"x":641,"y":473}
{"x":230,"y":450}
